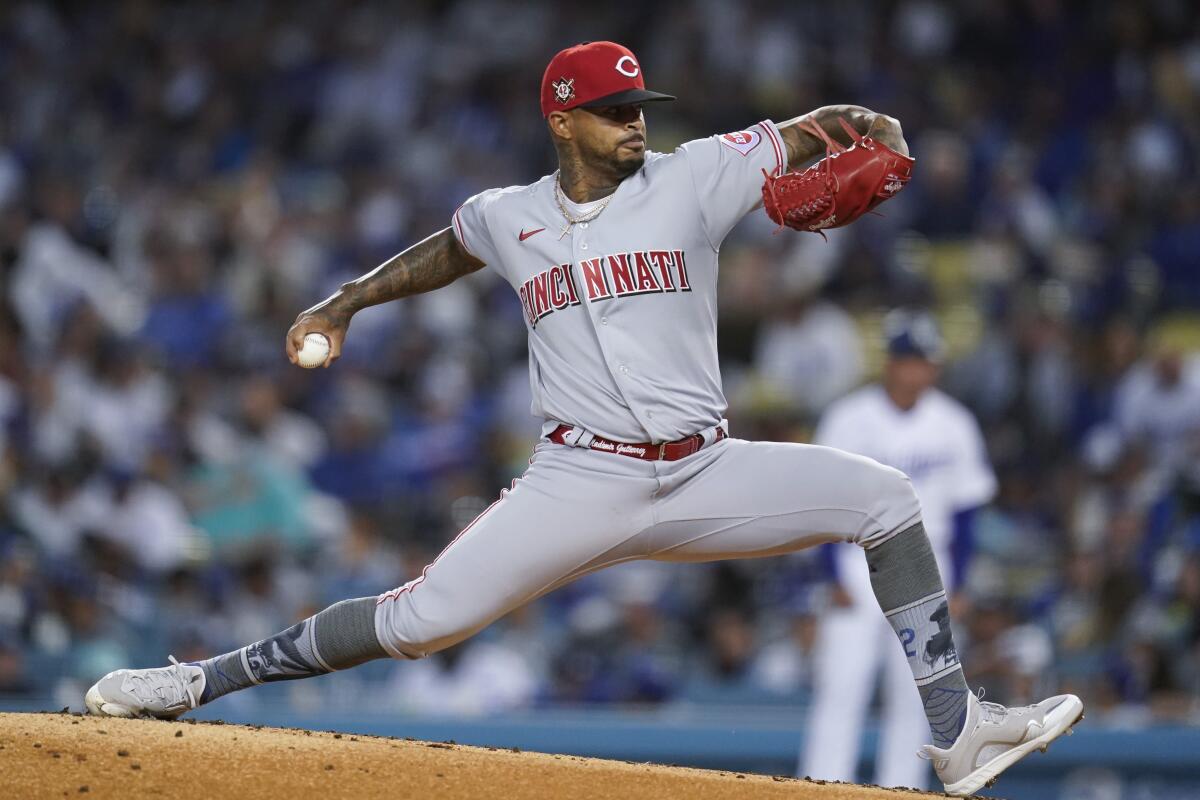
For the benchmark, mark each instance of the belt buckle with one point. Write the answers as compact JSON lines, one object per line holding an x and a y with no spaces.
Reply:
{"x":662,"y":451}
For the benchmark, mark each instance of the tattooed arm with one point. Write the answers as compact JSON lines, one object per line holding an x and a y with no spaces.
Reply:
{"x":803,"y":146}
{"x":427,"y":265}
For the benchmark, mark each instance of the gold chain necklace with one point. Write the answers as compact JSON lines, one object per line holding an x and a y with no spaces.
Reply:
{"x":560,"y":198}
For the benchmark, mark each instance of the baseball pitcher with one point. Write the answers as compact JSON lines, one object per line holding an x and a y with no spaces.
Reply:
{"x":614,"y":259}
{"x":906,"y":423}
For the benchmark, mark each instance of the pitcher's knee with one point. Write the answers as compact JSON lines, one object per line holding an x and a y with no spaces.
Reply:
{"x":408,"y":633}
{"x":892,"y":505}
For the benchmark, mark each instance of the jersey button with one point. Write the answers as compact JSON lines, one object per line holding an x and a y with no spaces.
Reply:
{"x":583,"y":246}
{"x":624,"y":370}
{"x":583,"y":225}
{"x":604,"y":320}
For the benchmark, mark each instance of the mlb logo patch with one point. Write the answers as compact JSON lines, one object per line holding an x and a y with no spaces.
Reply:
{"x":741,"y":141}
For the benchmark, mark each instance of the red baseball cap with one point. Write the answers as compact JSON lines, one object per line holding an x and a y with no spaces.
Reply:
{"x":594,"y":74}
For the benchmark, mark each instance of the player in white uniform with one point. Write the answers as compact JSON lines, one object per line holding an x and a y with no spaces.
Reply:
{"x":906,"y":423}
{"x":614,"y":259}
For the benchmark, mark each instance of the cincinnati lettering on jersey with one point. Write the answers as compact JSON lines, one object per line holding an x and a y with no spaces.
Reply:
{"x":549,"y":291}
{"x":617,"y":275}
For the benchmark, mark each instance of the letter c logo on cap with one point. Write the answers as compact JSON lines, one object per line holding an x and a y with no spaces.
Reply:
{"x":633,"y":68}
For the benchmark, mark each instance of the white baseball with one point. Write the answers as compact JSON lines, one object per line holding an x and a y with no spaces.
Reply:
{"x":314,"y":351}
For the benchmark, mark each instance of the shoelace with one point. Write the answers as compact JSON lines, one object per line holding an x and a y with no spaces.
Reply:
{"x":170,"y":679}
{"x":996,"y":712}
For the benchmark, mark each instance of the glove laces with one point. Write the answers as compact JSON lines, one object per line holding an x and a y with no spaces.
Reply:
{"x":818,"y":206}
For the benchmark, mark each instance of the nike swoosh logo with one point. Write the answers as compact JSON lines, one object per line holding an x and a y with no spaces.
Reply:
{"x":526,"y":234}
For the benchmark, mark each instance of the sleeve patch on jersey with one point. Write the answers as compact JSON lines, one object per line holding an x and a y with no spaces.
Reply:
{"x":742,"y":141}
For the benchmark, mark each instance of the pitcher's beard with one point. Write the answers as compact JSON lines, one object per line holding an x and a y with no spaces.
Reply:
{"x":626,"y":166}
{"x":616,"y":165}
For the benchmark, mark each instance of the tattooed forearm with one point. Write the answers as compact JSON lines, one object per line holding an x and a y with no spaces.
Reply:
{"x":427,"y":265}
{"x":803,"y":146}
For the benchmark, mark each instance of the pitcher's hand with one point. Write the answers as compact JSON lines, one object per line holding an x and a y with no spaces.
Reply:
{"x":330,"y":318}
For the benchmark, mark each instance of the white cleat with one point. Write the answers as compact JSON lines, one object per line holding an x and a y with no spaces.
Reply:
{"x":159,"y":693}
{"x":994,"y":738}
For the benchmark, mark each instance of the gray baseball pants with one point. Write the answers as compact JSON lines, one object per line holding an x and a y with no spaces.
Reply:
{"x":575,"y":511}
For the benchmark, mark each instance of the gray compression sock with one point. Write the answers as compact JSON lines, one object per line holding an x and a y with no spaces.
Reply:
{"x":908,"y":586}
{"x":341,"y":636}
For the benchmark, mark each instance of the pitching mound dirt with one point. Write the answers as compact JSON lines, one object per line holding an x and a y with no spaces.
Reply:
{"x":60,"y":755}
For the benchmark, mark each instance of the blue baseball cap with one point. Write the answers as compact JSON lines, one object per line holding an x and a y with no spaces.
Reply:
{"x":913,"y":334}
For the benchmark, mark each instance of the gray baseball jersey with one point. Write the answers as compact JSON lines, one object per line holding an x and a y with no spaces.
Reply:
{"x":622,"y":310}
{"x":621,"y":313}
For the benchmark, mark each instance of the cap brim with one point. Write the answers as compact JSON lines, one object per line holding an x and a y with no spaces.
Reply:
{"x":626,"y":98}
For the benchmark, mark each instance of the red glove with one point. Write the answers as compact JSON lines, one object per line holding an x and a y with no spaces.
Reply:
{"x":839,"y":188}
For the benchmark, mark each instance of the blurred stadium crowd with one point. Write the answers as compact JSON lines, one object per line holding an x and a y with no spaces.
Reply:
{"x":179,"y":180}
